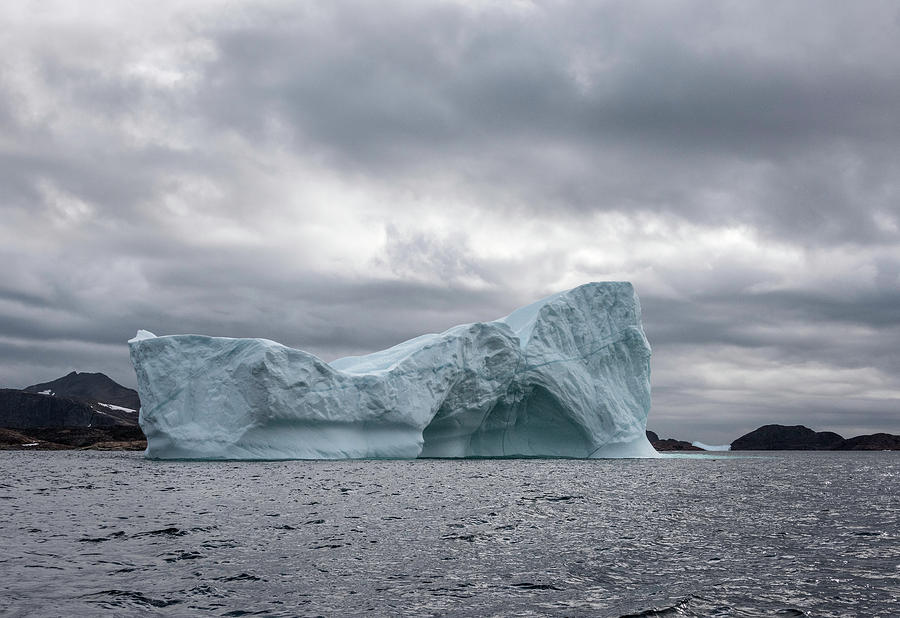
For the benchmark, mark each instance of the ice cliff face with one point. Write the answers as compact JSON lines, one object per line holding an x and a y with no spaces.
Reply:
{"x":566,"y":376}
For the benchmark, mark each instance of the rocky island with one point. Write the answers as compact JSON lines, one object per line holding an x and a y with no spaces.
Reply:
{"x":79,"y":410}
{"x":800,"y":438}
{"x":670,"y":444}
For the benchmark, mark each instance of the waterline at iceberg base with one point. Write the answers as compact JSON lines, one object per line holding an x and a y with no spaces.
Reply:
{"x":568,"y":376}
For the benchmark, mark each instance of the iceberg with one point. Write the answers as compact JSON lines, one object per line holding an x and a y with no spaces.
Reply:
{"x":567,"y":376}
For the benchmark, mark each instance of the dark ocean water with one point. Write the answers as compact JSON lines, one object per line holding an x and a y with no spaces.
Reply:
{"x":789,"y":534}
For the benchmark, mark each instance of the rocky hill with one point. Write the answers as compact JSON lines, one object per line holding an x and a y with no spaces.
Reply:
{"x":80,"y":410}
{"x":670,"y":444}
{"x":872,"y":442}
{"x":23,"y":410}
{"x":800,"y":438}
{"x":787,"y":438}
{"x":91,"y":386}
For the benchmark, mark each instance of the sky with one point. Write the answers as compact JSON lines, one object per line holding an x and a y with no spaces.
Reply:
{"x":342,"y":176}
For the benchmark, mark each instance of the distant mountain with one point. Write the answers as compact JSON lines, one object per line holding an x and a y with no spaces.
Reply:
{"x":90,"y":386}
{"x":23,"y":410}
{"x":872,"y":442}
{"x":787,"y":438}
{"x":78,"y":400}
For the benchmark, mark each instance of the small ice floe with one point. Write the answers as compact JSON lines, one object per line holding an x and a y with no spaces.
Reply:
{"x":712,"y":447}
{"x":46,"y":392}
{"x":31,"y":444}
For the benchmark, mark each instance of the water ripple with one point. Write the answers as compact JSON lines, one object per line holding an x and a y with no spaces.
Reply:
{"x":795,"y":534}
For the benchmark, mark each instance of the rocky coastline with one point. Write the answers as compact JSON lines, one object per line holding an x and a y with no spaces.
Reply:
{"x":73,"y":439}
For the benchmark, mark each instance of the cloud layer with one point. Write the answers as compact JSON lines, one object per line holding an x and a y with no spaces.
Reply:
{"x":341,"y":176}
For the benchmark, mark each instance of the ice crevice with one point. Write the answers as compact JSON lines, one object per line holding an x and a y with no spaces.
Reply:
{"x":567,"y":376}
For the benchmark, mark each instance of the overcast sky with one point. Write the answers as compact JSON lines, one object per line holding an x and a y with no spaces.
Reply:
{"x":341,"y":176}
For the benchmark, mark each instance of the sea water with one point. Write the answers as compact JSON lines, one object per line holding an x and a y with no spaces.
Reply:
{"x":788,"y":533}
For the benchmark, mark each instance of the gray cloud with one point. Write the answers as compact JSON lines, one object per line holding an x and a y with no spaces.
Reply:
{"x":340,"y":177}
{"x":675,"y":101}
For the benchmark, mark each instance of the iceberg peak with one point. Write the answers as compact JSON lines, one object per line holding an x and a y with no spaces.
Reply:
{"x":141,"y":335}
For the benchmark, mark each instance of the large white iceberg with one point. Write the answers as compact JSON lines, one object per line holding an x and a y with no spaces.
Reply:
{"x":568,"y":376}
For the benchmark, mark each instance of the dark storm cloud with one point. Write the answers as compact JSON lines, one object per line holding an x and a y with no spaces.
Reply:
{"x":332,"y":176}
{"x":391,"y":94}
{"x":767,"y":319}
